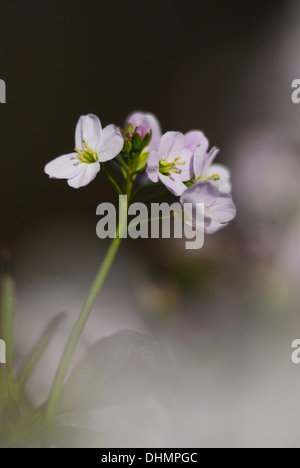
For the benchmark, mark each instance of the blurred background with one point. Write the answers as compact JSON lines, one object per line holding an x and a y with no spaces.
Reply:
{"x":206,"y":358}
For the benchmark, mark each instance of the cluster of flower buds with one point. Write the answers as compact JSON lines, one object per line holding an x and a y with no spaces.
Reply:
{"x":136,"y":139}
{"x":181,"y":162}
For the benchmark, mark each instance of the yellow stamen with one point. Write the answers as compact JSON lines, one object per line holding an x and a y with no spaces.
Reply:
{"x":167,"y":168}
{"x":88,"y":155}
{"x":214,"y":178}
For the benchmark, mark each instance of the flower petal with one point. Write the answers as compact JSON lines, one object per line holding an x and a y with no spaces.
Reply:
{"x":64,"y":167}
{"x":171,"y":145}
{"x":186,"y":171}
{"x":87,"y":174}
{"x":212,"y":227}
{"x":202,"y":192}
{"x":203,"y":161}
{"x":193,"y":216}
{"x":173,"y":183}
{"x":89,"y":128}
{"x":198,"y":162}
{"x":220,"y":209}
{"x":209,"y":158}
{"x":223,"y":209}
{"x":139,"y":118}
{"x":110,"y":144}
{"x":194,"y":139}
{"x":224,"y":184}
{"x":153,"y":166}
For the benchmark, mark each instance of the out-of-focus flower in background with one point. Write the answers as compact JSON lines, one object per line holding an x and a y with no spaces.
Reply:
{"x":266,"y":174}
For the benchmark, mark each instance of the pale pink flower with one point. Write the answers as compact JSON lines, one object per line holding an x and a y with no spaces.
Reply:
{"x":219,"y":208}
{"x":94,"y":145}
{"x":205,"y":170}
{"x":171,"y":164}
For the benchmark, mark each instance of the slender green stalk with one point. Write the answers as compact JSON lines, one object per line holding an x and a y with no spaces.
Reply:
{"x":129,"y":185}
{"x":112,"y":180}
{"x":51,"y":405}
{"x":77,"y":331}
{"x":122,"y":162}
{"x":7,"y":309}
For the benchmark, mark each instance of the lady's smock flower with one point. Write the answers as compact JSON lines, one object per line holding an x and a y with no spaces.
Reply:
{"x":205,"y":170}
{"x":94,"y":145}
{"x":171,"y":164}
{"x":219,"y":208}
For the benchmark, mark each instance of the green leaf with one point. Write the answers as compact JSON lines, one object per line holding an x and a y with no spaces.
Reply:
{"x":142,"y":161}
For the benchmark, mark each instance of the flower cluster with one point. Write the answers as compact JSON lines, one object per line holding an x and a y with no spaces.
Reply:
{"x":181,"y":162}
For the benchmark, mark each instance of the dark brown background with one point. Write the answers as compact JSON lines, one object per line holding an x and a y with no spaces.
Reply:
{"x":181,"y":60}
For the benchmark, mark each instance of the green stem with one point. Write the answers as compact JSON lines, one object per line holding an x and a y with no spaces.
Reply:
{"x":112,"y":180}
{"x":122,"y":162}
{"x":129,"y":185}
{"x":7,"y":308}
{"x":77,"y":331}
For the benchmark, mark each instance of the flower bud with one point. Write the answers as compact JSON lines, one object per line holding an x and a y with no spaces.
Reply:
{"x":127,"y":145}
{"x":129,"y":130}
{"x":142,"y":130}
{"x":141,"y":137}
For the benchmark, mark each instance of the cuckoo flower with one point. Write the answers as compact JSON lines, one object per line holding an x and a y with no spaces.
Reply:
{"x":171,"y":163}
{"x":219,"y":208}
{"x":94,"y":145}
{"x":205,"y":170}
{"x":142,"y":123}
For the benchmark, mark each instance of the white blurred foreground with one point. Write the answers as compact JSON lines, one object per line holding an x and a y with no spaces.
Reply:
{"x":216,"y":372}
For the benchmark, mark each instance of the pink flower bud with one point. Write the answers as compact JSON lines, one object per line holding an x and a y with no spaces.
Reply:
{"x":142,"y":131}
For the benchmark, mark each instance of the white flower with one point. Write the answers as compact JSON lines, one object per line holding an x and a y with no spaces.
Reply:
{"x":171,"y":164}
{"x":219,"y":208}
{"x":94,"y":145}
{"x":205,"y":170}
